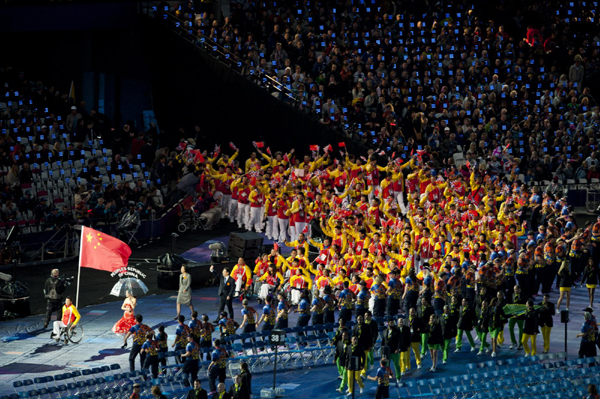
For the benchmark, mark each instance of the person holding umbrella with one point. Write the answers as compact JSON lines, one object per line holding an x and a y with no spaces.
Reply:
{"x":184,"y":296}
{"x":123,"y":325}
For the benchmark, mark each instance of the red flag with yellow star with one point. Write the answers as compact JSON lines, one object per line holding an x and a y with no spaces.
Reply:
{"x":102,"y":251}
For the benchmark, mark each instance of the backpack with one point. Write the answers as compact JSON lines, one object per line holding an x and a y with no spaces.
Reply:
{"x":53,"y":294}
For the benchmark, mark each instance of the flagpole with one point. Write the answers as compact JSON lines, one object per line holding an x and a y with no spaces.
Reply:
{"x":79,"y":269}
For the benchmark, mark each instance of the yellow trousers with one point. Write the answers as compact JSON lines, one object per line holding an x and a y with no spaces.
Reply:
{"x":351,"y":376}
{"x":416,"y":351}
{"x":530,"y":351}
{"x":501,"y":336}
{"x":546,"y":335}
{"x":404,"y":361}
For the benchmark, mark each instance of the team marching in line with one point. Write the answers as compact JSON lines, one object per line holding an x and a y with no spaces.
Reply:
{"x":442,"y":245}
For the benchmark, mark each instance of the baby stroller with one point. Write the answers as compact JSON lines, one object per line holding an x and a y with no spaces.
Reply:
{"x":190,"y":220}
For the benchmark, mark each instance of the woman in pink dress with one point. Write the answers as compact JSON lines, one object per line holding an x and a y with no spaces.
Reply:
{"x":128,"y":320}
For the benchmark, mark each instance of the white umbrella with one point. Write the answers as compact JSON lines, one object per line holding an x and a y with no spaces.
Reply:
{"x":133,"y":285}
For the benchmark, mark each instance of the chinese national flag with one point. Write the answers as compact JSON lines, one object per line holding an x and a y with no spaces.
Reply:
{"x":102,"y":251}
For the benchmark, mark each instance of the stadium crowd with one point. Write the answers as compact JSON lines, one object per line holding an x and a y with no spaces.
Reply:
{"x":436,"y":75}
{"x":63,"y":163}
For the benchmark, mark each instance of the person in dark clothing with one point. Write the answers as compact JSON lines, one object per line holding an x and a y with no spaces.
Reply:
{"x":517,"y":299}
{"x":238,"y":390}
{"x":391,"y":340}
{"x":339,"y":357}
{"x":226,"y":290}
{"x":415,"y":335}
{"x":404,"y":346}
{"x":496,"y":322}
{"x":566,"y":281}
{"x":483,"y":322}
{"x":530,"y":329}
{"x":53,"y":290}
{"x":545,"y":315}
{"x":354,"y":367}
{"x":435,"y":337}
{"x":449,"y":322}
{"x":362,"y":332}
{"x":465,"y":325}
{"x":426,"y":311}
{"x":197,"y":392}
{"x":246,"y":377}
{"x":374,"y":334}
{"x":591,"y":275}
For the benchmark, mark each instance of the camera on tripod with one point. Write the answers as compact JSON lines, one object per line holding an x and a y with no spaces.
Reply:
{"x":67,"y":280}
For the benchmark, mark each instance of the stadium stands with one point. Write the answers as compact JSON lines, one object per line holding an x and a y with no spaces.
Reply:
{"x":398,"y":80}
{"x":61,"y":163}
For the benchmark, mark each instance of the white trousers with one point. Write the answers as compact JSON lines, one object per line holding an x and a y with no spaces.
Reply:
{"x":295,"y":297}
{"x":256,"y":216}
{"x":225,"y":202}
{"x":232,"y":210}
{"x":56,"y":327}
{"x":299,"y":229}
{"x":243,"y":215}
{"x":284,"y":225}
{"x":400,"y":201}
{"x":272,"y":228}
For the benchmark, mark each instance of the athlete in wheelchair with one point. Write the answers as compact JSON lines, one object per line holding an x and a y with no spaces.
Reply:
{"x":270,"y":282}
{"x":68,"y":329}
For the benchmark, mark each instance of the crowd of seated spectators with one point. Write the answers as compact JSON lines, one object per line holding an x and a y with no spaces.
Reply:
{"x":61,"y":163}
{"x":400,"y":77}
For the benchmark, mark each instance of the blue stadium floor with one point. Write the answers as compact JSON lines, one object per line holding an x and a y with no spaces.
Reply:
{"x":26,"y":350}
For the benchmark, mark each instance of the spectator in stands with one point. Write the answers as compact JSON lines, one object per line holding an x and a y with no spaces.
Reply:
{"x":119,"y":166}
{"x":25,"y":174}
{"x":73,"y":120}
{"x":12,"y":178}
{"x":53,"y":219}
{"x":160,"y":169}
{"x":278,"y":56}
{"x":576,"y":73}
{"x":99,"y":209}
{"x":137,"y":144}
{"x":155,"y":198}
{"x":41,"y":210}
{"x":11,"y":211}
{"x":26,"y":203}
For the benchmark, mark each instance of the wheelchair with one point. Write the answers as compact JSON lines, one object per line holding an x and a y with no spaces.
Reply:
{"x":73,"y":334}
{"x":190,"y":220}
